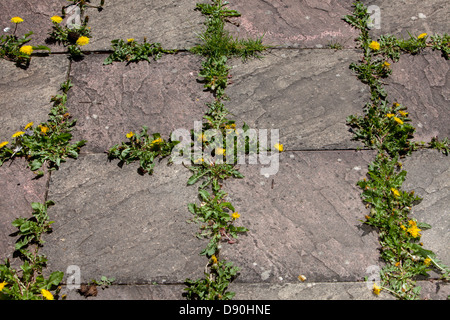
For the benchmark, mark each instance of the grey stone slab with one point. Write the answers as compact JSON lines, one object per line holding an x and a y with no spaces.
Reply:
{"x":295,"y":24}
{"x":174,"y":24}
{"x":110,"y":101}
{"x":18,"y":190}
{"x":306,"y":94}
{"x":307,"y":291}
{"x":304,"y":220}
{"x":26,"y":94}
{"x":113,"y":222}
{"x":422,"y":84}
{"x":429,"y":177}
{"x":416,"y":17}
{"x":36,"y":16}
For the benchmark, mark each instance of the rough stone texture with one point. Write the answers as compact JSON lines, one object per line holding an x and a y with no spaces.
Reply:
{"x":400,"y":17}
{"x":306,"y":94}
{"x":421,"y":83}
{"x":429,"y":177}
{"x":113,"y":222}
{"x":26,"y":94}
{"x":36,"y":16}
{"x":19,"y":189}
{"x":295,"y":24}
{"x":307,"y":223}
{"x":110,"y":101}
{"x":174,"y":24}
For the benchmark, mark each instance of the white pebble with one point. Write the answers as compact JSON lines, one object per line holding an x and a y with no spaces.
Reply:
{"x":422,"y":16}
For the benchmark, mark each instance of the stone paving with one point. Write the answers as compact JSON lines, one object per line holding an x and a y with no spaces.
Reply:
{"x":305,"y":220}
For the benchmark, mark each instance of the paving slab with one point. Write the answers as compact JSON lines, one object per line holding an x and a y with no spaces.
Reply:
{"x":304,"y":220}
{"x":429,"y":177}
{"x":295,"y":24}
{"x":400,"y":17}
{"x":421,"y":83}
{"x":25,"y":94}
{"x":113,"y":222}
{"x":36,"y":16}
{"x":19,"y":189}
{"x":174,"y":24}
{"x":306,"y":94}
{"x":110,"y":101}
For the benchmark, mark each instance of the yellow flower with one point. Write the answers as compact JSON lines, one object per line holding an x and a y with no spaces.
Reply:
{"x":390,"y":115}
{"x":413,"y":230}
{"x":376,"y":289}
{"x":82,"y":41}
{"x":235,"y":215}
{"x":47,"y":294}
{"x":427,"y":261}
{"x":18,"y":134}
{"x":374,"y":45}
{"x":403,"y":113}
{"x":395,"y":192}
{"x":279,"y":147}
{"x":130,"y":39}
{"x":16,"y":20}
{"x":2,"y":285}
{"x":44,"y":129}
{"x":4,"y":143}
{"x":386,"y":64}
{"x":396,"y":104}
{"x":26,"y":49}
{"x":398,"y":120}
{"x":220,"y":151}
{"x":159,"y":140}
{"x":28,"y":125}
{"x":130,"y":134}
{"x":214,"y":259}
{"x":403,"y":227}
{"x":200,"y":160}
{"x":422,"y":35}
{"x":56,"y":19}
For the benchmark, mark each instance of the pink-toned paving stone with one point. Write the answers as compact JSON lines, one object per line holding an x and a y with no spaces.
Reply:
{"x":111,"y":100}
{"x":295,"y":24}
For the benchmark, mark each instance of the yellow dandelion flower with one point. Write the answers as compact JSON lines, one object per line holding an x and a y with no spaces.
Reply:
{"x":395,"y":192}
{"x":159,"y":140}
{"x":130,"y":134}
{"x":130,"y":40}
{"x":396,"y":104}
{"x":403,"y":227}
{"x":397,"y":263}
{"x":56,"y":19}
{"x":16,"y":20}
{"x":200,"y":160}
{"x":235,"y":215}
{"x":214,"y":259}
{"x":47,"y":294}
{"x":398,"y":120}
{"x":279,"y":147}
{"x":201,"y":137}
{"x":427,"y":261}
{"x":422,"y":35}
{"x":386,"y":64}
{"x":390,"y":115}
{"x":18,"y":134}
{"x":26,"y":50}
{"x":44,"y":129}
{"x":28,"y":125}
{"x":220,"y":151}
{"x":413,"y":230}
{"x":4,"y":143}
{"x":374,"y":46}
{"x":403,"y":113}
{"x":82,"y":41}
{"x":376,"y":289}
{"x":2,"y":285}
